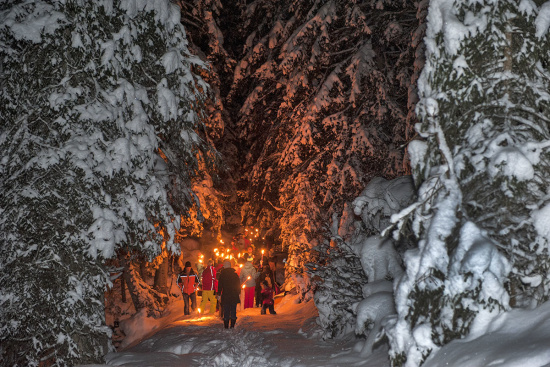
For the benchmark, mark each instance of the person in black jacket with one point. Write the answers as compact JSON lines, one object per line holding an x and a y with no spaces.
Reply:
{"x":229,"y":287}
{"x":266,"y":275}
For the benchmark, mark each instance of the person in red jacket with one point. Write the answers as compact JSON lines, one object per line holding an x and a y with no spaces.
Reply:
{"x":209,"y":287}
{"x":267,"y":302}
{"x":187,"y":282}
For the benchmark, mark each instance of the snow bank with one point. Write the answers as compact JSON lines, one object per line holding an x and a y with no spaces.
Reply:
{"x":515,"y":338}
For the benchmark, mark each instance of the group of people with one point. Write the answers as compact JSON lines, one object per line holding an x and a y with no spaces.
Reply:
{"x":225,"y":282}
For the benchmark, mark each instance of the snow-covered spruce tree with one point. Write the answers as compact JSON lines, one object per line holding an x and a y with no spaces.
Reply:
{"x":338,"y":277}
{"x":90,"y":91}
{"x":357,"y":261}
{"x":203,"y":20}
{"x":325,"y":90}
{"x":482,"y":213}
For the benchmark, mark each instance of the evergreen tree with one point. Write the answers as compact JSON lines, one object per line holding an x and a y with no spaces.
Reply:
{"x":317,"y":97}
{"x":482,"y":167}
{"x":91,"y":93}
{"x":327,"y":91}
{"x":337,"y":276}
{"x":206,"y":22}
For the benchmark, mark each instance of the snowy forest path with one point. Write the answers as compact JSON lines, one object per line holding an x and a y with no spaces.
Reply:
{"x":290,"y":338}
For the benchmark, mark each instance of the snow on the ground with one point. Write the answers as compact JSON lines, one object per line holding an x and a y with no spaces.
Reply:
{"x":518,"y":338}
{"x":290,"y":338}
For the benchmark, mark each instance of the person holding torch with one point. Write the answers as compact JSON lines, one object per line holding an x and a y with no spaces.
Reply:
{"x":248,"y":280}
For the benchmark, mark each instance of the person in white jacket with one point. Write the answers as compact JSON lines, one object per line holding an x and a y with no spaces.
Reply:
{"x":248,"y":280}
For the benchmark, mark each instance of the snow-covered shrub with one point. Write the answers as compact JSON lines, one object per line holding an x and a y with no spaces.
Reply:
{"x":382,"y":265}
{"x":347,"y":274}
{"x":378,"y":258}
{"x":376,"y":286}
{"x":481,"y":170}
{"x":382,"y":198}
{"x":91,"y":92}
{"x":338,"y":277}
{"x":371,"y":312}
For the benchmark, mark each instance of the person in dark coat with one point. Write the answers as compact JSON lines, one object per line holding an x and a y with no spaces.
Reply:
{"x":219,"y":267}
{"x":229,"y":287}
{"x":267,"y":275}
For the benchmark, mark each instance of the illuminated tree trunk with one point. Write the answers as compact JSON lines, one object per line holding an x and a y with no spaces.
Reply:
{"x":143,"y":296}
{"x":161,"y":276}
{"x":123,"y":286}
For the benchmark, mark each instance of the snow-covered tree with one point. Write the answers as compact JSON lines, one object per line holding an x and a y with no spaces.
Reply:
{"x":338,"y":278}
{"x":315,"y":97}
{"x":482,"y":211}
{"x":353,"y":272}
{"x":207,"y":23}
{"x":91,"y":93}
{"x":327,"y":88}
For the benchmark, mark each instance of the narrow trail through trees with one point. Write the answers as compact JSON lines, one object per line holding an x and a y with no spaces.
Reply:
{"x":290,"y":338}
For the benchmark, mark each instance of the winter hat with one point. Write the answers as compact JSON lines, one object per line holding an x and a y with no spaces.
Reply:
{"x":187,"y":264}
{"x":227,"y":264}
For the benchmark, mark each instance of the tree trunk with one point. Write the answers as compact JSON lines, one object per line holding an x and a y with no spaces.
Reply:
{"x":132,"y":288}
{"x":142,"y":268}
{"x":123,"y":286}
{"x":161,"y":277}
{"x":143,"y":296}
